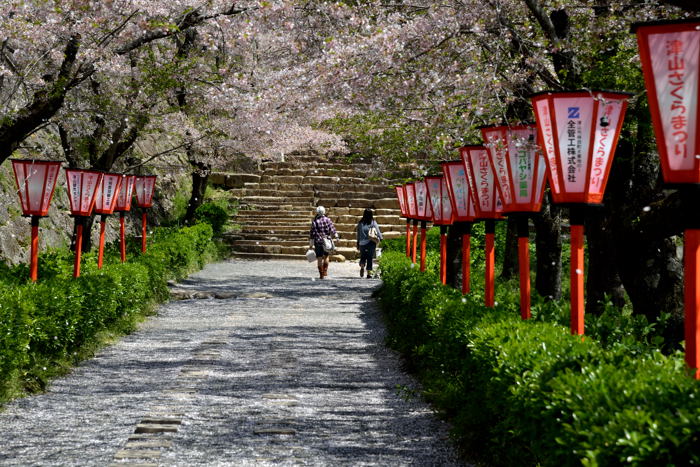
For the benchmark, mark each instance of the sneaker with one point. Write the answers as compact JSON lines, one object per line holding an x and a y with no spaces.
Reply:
{"x":369,"y":274}
{"x":362,"y":271}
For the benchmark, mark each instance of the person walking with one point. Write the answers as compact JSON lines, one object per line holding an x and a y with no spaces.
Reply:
{"x":368,"y":237}
{"x":322,"y":228}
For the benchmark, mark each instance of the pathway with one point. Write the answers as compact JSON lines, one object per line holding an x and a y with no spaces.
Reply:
{"x":283,"y":370}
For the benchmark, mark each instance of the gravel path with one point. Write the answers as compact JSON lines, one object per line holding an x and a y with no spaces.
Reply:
{"x":288,"y":370}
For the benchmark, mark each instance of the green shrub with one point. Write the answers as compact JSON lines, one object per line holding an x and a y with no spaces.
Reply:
{"x":527,"y":392}
{"x":43,"y":325}
{"x":213,"y":214}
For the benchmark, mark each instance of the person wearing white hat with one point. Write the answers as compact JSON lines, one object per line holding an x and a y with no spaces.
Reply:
{"x":321,"y":228}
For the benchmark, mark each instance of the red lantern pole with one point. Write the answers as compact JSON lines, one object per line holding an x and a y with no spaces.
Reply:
{"x":122,"y":237}
{"x":34,"y":262}
{"x":489,"y":286}
{"x":143,"y":232}
{"x":466,"y":259}
{"x":423,"y":230}
{"x":408,"y":238}
{"x":524,"y":266}
{"x":691,"y":267}
{"x":78,"y":246}
{"x":100,"y":255}
{"x":443,"y":254}
{"x":576,"y":273}
{"x":415,"y":241}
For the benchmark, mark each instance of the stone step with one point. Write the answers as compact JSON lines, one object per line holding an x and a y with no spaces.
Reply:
{"x":381,"y":203}
{"x":269,"y":256}
{"x":289,"y":251}
{"x":318,"y":180}
{"x":296,"y":170}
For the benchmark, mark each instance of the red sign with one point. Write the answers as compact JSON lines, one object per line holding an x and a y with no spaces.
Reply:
{"x":106,"y":198}
{"x":36,"y":181}
{"x":126,"y":191}
{"x":82,"y":188}
{"x":578,"y":132}
{"x":520,"y":166}
{"x":482,"y":182}
{"x":670,"y":56}
{"x":439,"y":197}
{"x":458,"y":187}
{"x":144,"y":187}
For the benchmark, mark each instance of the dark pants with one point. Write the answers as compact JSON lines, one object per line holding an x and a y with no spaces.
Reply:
{"x":367,"y":254}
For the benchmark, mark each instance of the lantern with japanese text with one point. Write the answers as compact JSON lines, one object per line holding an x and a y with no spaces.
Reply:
{"x":144,"y":187}
{"x":463,"y":211}
{"x":488,"y":205}
{"x":36,"y":181}
{"x":520,"y":179}
{"x":82,"y":189}
{"x":105,"y":202}
{"x":403,"y":205}
{"x":441,"y":206}
{"x":670,"y":56}
{"x":424,"y":213}
{"x":124,"y":197}
{"x":578,"y":133}
{"x":410,"y":193}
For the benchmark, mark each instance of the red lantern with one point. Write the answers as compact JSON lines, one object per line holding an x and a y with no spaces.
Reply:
{"x":144,"y":187}
{"x":124,"y":197}
{"x":36,"y":181}
{"x":463,"y":211}
{"x":82,"y":190}
{"x":441,"y":206}
{"x":424,"y":213}
{"x":105,"y":202}
{"x":410,"y":192}
{"x":403,"y":204}
{"x":670,"y":55}
{"x":520,"y":178}
{"x":488,"y":206}
{"x":578,"y":132}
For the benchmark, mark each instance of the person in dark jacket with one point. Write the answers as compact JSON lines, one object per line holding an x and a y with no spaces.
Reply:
{"x":321,"y":227}
{"x":365,"y":243}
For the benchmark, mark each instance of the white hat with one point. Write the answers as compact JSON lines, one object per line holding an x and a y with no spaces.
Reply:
{"x":321,"y":210}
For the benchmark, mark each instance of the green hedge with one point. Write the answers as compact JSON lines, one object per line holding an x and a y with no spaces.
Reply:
{"x":45,"y":325}
{"x":528,"y":393}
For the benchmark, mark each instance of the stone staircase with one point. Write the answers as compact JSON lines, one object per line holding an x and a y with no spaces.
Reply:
{"x":276,"y":210}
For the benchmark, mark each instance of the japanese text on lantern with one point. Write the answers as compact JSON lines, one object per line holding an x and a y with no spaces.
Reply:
{"x":574,"y":159}
{"x":676,"y":81}
{"x":459,"y":190}
{"x":484,"y":198}
{"x":603,"y":149}
{"x":524,"y":168}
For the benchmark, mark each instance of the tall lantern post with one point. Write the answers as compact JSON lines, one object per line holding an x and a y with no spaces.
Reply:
{"x":424,"y":213}
{"x":144,"y":187}
{"x":578,"y":132}
{"x":520,"y":179}
{"x":82,"y":190}
{"x":124,"y":197}
{"x":439,"y":196}
{"x":463,"y":211}
{"x":105,"y":202}
{"x":410,"y":193}
{"x":36,"y":181}
{"x":670,"y":56}
{"x":489,"y":207}
{"x":403,"y":205}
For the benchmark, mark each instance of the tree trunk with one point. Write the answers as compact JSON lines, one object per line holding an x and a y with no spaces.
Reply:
{"x":602,"y":275}
{"x":454,"y":255}
{"x":548,"y":250}
{"x":510,"y":254}
{"x":200,"y":178}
